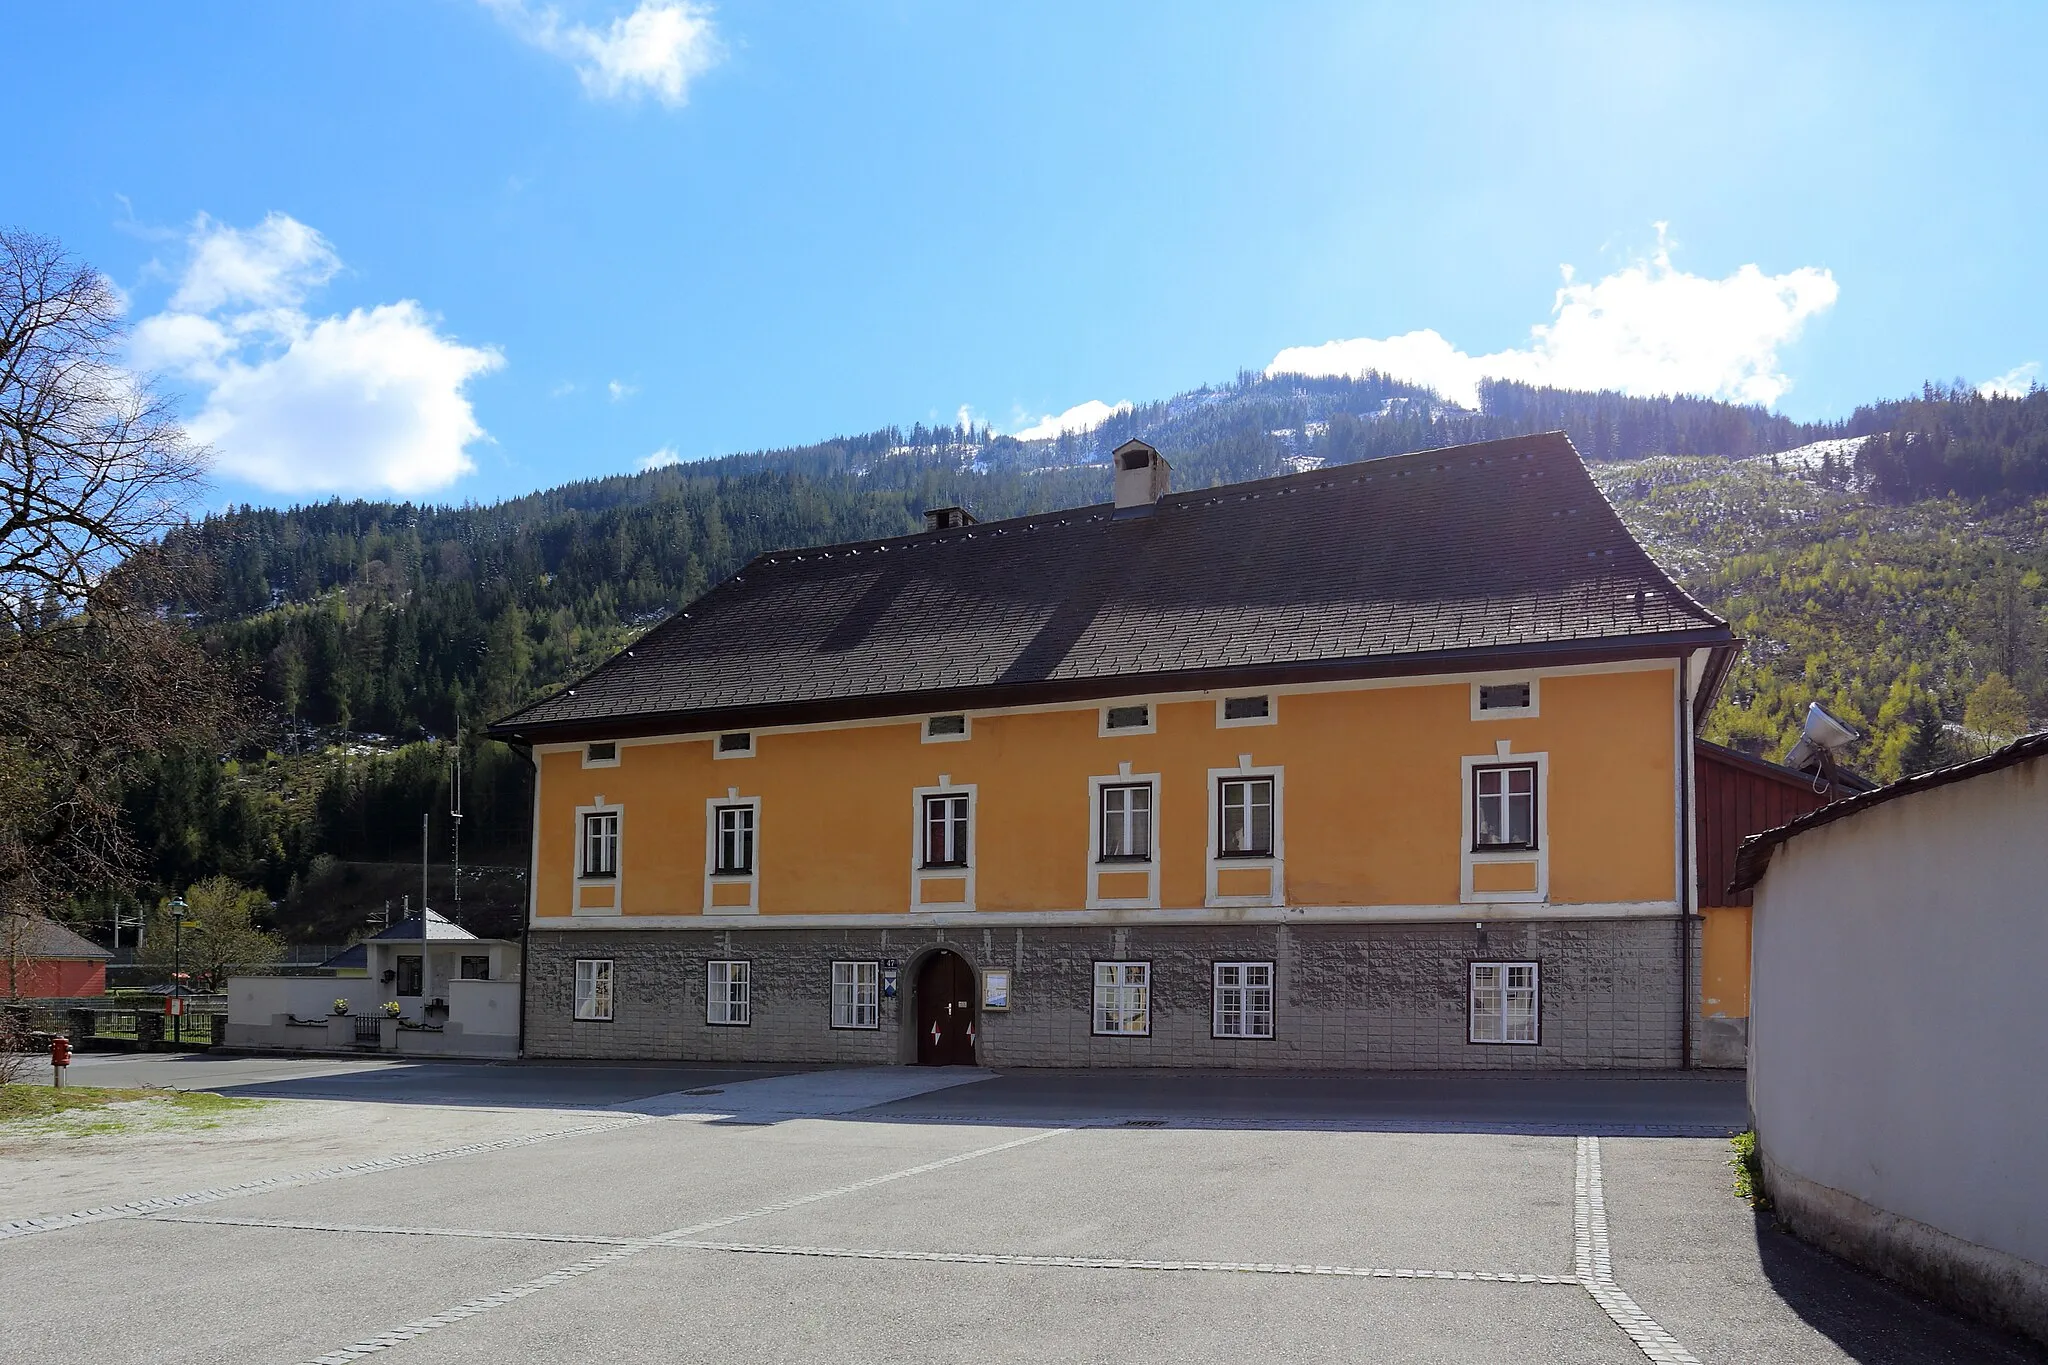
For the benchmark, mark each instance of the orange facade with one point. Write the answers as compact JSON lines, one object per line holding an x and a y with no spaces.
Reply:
{"x":1372,"y":785}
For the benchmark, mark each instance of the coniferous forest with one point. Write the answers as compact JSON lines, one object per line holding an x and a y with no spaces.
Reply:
{"x":1892,"y":568}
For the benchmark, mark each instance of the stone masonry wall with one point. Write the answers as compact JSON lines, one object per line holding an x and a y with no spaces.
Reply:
{"x":1382,"y":996}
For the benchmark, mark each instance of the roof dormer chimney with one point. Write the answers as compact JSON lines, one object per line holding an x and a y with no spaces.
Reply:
{"x":1141,"y":475}
{"x":947,"y":518}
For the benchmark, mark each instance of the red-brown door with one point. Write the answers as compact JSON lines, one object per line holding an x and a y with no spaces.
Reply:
{"x":945,"y":1011}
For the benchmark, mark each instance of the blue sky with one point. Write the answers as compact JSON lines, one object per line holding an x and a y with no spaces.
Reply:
{"x":465,"y":248}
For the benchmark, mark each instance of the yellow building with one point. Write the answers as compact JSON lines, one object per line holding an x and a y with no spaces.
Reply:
{"x":1381,"y":765}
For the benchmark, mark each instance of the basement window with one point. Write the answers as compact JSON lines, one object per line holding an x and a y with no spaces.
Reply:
{"x":1241,"y":1002}
{"x":738,"y":744}
{"x":1123,"y":999}
{"x":1505,"y":1003}
{"x":594,"y":989}
{"x":856,"y":995}
{"x":728,"y":997}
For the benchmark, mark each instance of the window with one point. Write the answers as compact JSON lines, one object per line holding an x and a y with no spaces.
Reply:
{"x":945,"y":831}
{"x":594,"y":989}
{"x":1127,"y":823}
{"x":735,"y":842}
{"x":1246,"y":812}
{"x":1232,"y":711}
{"x":1123,"y":999}
{"x":938,"y":728}
{"x":1504,"y":1002}
{"x":856,"y":995}
{"x":1506,"y":700}
{"x":1504,"y":806}
{"x":1504,"y":696}
{"x":1242,"y":1005}
{"x":601,"y":844}
{"x":601,"y":754}
{"x":727,"y":997}
{"x":409,"y":974}
{"x":1127,"y":718}
{"x":477,"y":968}
{"x":739,"y":744}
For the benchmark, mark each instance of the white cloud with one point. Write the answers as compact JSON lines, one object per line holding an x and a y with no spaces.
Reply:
{"x":367,"y":401}
{"x":1648,"y":328}
{"x":620,"y":391}
{"x":272,"y":265}
{"x":1081,"y":417}
{"x":660,"y":459}
{"x":2016,"y":382}
{"x":656,"y":50}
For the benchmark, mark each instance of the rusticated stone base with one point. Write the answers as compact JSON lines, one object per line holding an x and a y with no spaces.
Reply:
{"x":1381,"y":996}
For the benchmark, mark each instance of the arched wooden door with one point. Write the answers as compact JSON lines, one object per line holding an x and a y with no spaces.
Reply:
{"x":945,"y":1011}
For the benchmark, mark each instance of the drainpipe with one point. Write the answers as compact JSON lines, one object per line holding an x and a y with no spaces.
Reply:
{"x":1688,"y":876}
{"x":525,"y":751}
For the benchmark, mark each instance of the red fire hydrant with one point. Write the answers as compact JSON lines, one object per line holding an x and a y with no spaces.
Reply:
{"x":60,"y":1057}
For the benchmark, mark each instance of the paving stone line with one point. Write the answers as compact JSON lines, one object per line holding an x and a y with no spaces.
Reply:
{"x":1593,"y":1258}
{"x":868,"y":1254}
{"x":399,"y":1335}
{"x":396,"y":1230}
{"x":1132,"y":1263}
{"x":139,"y":1208}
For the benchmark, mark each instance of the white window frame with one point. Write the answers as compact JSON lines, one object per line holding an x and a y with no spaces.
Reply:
{"x":857,"y":994}
{"x":1112,"y":997}
{"x":1121,"y":867}
{"x":580,"y":880}
{"x":955,"y":820}
{"x":1276,"y":862}
{"x":720,"y":998}
{"x":919,"y":873}
{"x":1150,"y":727}
{"x":1470,"y":856}
{"x":712,"y":876}
{"x":718,"y":749}
{"x":605,"y":840}
{"x":1272,"y":716}
{"x":1507,"y":797}
{"x":585,"y":990}
{"x":925,"y":734}
{"x":1491,"y":1026}
{"x":1228,"y":979}
{"x":611,"y":762}
{"x":1529,"y":712}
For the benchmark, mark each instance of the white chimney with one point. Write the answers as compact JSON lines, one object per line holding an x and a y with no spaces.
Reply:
{"x":1141,"y":475}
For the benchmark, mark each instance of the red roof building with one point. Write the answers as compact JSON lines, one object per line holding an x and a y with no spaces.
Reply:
{"x":42,"y":960}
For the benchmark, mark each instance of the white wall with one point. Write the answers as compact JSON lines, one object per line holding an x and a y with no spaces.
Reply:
{"x":1898,"y":1036}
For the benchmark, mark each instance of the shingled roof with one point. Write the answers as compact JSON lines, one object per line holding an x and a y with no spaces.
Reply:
{"x":1411,"y":563}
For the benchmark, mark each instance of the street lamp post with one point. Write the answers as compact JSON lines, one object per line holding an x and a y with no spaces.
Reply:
{"x":178,"y":927}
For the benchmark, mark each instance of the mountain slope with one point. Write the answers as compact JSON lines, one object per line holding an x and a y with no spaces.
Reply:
{"x":359,"y":627}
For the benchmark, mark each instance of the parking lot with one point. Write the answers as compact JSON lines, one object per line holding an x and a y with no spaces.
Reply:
{"x":459,"y":1212}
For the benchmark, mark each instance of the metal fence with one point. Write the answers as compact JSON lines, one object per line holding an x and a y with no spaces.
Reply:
{"x":120,"y":1016}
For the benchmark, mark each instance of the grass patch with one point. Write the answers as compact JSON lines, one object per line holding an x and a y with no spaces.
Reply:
{"x":86,"y":1111}
{"x":1749,"y":1171}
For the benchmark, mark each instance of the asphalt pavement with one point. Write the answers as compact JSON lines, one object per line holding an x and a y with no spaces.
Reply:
{"x":900,"y":1215}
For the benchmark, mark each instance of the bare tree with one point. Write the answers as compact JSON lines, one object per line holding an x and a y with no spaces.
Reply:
{"x":94,"y":469}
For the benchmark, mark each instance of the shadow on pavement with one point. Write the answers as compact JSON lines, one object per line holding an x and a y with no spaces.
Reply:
{"x":1654,"y":1104}
{"x":1873,"y":1320}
